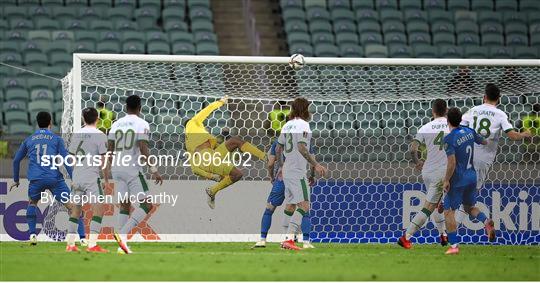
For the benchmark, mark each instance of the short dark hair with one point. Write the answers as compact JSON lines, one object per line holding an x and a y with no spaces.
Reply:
{"x":43,"y":119}
{"x":300,"y":109}
{"x":133,"y":103}
{"x":439,"y":107}
{"x":493,"y":93}
{"x":454,"y":116}
{"x":100,"y":104}
{"x":90,"y":115}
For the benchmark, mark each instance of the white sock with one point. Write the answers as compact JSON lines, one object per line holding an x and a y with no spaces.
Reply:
{"x":136,"y":217}
{"x":121,"y":220}
{"x":294,"y":224}
{"x":417,"y":222}
{"x":95,"y":228}
{"x":285,"y":223}
{"x":72,"y":234}
{"x":440,"y":223}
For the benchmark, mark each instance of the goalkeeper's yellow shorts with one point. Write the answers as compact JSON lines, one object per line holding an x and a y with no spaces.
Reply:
{"x":220,"y":164}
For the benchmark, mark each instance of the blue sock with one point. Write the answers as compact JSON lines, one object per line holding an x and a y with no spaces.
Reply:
{"x":80,"y":229}
{"x":481,"y":217}
{"x":31,"y":218}
{"x":306,"y":227}
{"x":452,"y":237}
{"x":266,"y":222}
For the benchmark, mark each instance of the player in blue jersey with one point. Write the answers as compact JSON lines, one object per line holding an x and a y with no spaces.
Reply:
{"x":276,"y":198}
{"x":460,"y":179}
{"x":42,"y":145}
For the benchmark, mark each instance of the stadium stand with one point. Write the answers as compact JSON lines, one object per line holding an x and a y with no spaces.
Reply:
{"x":413,"y":28}
{"x":42,"y":35}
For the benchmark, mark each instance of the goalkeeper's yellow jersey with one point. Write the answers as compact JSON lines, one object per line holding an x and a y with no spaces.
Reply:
{"x":196,"y":133}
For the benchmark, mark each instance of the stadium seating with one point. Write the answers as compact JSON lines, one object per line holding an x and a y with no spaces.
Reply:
{"x":42,"y":35}
{"x":472,"y":24}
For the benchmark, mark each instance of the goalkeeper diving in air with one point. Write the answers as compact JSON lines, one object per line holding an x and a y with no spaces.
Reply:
{"x":200,"y":143}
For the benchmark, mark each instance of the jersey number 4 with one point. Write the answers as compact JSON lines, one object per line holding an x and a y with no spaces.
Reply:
{"x":439,"y":140}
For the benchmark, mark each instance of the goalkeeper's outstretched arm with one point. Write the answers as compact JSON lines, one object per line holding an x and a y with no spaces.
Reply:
{"x":204,"y":113}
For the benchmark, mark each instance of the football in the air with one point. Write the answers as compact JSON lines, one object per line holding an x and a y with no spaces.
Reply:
{"x":297,"y":61}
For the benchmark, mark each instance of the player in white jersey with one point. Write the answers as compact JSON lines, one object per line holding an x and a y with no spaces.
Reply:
{"x":433,"y":169}
{"x":89,"y":145}
{"x":294,"y":141}
{"x":129,"y":136}
{"x":488,"y":121}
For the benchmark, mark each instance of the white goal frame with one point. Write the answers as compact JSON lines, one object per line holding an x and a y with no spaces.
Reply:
{"x":79,"y":57}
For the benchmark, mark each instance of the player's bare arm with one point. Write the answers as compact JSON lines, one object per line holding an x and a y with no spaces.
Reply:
{"x":450,"y":167}
{"x":143,"y":146}
{"x":415,"y":155}
{"x":304,"y":151}
{"x":270,"y":166}
{"x":312,"y":177}
{"x":517,"y":136}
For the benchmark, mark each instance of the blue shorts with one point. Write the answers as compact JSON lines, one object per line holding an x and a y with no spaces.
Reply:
{"x":58,"y":188}
{"x":457,"y":196}
{"x":277,"y":195}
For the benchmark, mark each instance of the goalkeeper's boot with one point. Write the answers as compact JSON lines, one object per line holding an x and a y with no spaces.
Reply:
{"x":490,"y":229}
{"x":290,"y":245}
{"x":72,"y":249}
{"x":402,"y":241}
{"x":97,"y":249}
{"x":444,"y":240}
{"x":33,"y":240}
{"x":452,"y":251}
{"x":307,"y":245}
{"x":259,"y":244}
{"x":84,"y":242}
{"x":211,"y":198}
{"x":121,"y":244}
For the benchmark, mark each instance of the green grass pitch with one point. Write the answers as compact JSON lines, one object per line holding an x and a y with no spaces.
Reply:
{"x":236,"y":261}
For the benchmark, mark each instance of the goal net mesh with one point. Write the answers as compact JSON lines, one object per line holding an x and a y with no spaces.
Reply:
{"x":363,"y":120}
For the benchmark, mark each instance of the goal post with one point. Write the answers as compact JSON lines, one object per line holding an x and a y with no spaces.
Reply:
{"x":365,"y":111}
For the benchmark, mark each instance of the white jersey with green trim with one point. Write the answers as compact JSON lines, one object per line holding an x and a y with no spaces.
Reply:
{"x":432,"y":135}
{"x":293,"y":132}
{"x":126,"y":132}
{"x":90,"y":143}
{"x":488,"y":121}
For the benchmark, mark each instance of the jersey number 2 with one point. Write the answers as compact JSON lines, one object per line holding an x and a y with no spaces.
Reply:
{"x":469,"y":151}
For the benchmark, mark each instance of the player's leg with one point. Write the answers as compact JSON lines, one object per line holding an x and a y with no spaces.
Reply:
{"x":275,"y":199}
{"x":306,"y":230}
{"x":137,"y":187}
{"x":95,"y":222}
{"x":81,"y":230}
{"x":121,"y":186}
{"x":124,"y":207}
{"x":61,"y":193}
{"x":452,"y":200}
{"x":482,"y":170}
{"x":231,"y":175}
{"x":300,"y":195}
{"x":437,"y":216}
{"x":34,"y":194}
{"x":433,"y":197}
{"x":469,"y":200}
{"x":237,"y":143}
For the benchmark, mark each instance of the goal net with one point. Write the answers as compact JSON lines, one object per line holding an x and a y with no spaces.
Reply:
{"x":364,"y":114}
